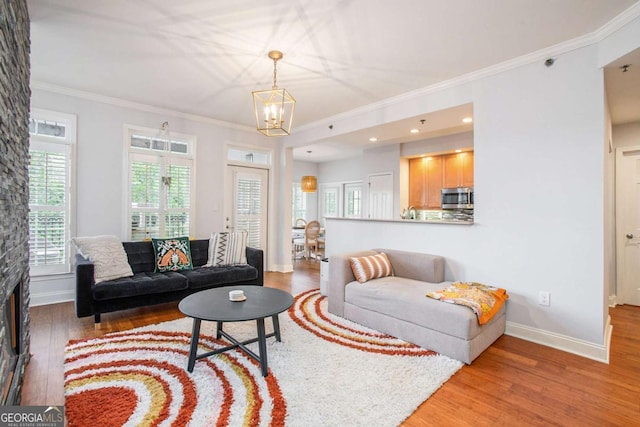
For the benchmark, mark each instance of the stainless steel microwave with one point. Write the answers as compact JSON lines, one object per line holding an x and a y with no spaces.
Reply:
{"x":457,"y":198}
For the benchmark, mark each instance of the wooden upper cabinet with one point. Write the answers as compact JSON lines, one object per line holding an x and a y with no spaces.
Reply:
{"x":434,"y":183}
{"x":458,"y":170}
{"x":417,"y":183}
{"x":425,"y":182}
{"x":429,"y":175}
{"x":467,"y":169}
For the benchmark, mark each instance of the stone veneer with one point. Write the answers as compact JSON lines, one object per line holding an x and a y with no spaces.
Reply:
{"x":15,"y":96}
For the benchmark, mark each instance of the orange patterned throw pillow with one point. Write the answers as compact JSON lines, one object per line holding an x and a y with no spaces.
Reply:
{"x":371,"y":267}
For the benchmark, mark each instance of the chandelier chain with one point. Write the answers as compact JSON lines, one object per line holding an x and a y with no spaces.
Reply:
{"x":275,"y":64}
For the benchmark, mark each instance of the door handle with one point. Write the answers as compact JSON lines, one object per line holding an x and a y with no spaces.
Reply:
{"x":629,"y":236}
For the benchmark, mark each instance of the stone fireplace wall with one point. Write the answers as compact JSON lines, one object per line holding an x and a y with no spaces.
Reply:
{"x":14,"y":196}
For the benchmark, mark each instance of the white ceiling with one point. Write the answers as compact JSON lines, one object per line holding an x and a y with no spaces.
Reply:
{"x":204,"y":57}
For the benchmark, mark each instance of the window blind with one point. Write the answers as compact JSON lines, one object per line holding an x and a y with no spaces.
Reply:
{"x":248,"y":209}
{"x":49,"y":208}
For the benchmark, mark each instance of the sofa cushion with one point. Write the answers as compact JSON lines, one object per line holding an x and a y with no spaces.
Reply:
{"x":172,"y":254}
{"x":371,"y":267}
{"x":140,"y":284}
{"x":406,"y":299}
{"x":107,"y":254}
{"x":199,"y":252}
{"x":201,"y":277}
{"x":141,"y":256}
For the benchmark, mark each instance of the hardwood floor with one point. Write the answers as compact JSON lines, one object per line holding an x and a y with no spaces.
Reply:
{"x":514,"y":382}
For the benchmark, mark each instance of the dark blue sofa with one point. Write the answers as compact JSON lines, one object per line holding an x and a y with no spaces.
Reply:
{"x":147,"y":288}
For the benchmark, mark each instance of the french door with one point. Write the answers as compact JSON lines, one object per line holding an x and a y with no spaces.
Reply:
{"x":248,"y":201}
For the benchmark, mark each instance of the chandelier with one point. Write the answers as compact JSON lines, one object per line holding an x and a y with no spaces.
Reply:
{"x":274,"y":108}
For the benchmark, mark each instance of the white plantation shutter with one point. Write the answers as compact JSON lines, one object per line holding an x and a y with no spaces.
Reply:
{"x":248,"y":212}
{"x":329,"y":200}
{"x":178,"y":200}
{"x":160,"y":187}
{"x":144,"y":172}
{"x":353,"y":200}
{"x":49,"y":172}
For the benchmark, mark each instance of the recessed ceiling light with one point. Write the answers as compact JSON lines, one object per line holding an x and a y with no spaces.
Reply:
{"x":467,"y":120}
{"x":414,"y":131}
{"x":373,"y":139}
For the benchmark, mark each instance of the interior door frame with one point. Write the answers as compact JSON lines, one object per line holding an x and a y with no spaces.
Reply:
{"x":270,"y":253}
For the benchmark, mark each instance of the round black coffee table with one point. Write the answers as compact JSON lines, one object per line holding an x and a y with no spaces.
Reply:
{"x":214,"y":305}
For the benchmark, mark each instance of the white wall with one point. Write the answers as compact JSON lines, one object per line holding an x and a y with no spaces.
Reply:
{"x":538,"y":137}
{"x":343,"y":170}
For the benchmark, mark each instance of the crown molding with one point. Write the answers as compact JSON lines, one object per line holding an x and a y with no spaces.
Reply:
{"x":618,"y":22}
{"x":552,"y":51}
{"x":123,"y":103}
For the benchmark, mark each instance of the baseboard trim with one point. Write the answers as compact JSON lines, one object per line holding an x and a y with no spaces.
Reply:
{"x":281,"y":268}
{"x":572,"y":345}
{"x":613,"y":300}
{"x":46,"y":298}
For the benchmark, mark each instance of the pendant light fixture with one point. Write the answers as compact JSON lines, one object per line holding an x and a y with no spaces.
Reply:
{"x":309,"y":184}
{"x":274,"y":108}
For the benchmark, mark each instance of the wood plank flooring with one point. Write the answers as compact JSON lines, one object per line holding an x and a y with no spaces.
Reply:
{"x":513,"y":383}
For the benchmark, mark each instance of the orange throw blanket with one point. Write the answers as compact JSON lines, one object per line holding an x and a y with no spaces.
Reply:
{"x":485,"y":301}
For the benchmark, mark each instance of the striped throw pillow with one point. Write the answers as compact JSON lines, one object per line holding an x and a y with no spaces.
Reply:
{"x":371,"y":267}
{"x":227,"y":248}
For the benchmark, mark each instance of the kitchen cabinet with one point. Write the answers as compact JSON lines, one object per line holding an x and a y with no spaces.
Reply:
{"x":425,"y":182}
{"x":458,"y":170}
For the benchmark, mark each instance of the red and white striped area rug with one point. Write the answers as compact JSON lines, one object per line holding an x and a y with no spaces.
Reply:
{"x":327,"y":371}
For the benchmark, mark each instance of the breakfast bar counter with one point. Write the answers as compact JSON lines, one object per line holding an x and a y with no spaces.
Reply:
{"x":409,"y":221}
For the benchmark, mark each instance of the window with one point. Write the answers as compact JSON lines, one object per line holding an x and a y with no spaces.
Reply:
{"x":52,"y":136}
{"x":244,"y":155}
{"x":160,"y":184}
{"x":299,"y":201}
{"x":329,"y":200}
{"x":353,"y":200}
{"x":342,"y":200}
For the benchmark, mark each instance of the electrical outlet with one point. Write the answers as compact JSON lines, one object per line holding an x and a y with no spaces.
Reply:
{"x":544,"y":298}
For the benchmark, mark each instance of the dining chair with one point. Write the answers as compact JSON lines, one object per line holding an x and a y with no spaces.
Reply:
{"x":310,"y":240}
{"x":300,"y":223}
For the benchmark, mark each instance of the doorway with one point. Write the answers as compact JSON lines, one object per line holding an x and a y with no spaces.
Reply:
{"x":381,"y":196}
{"x":628,"y":225}
{"x":247,"y":188}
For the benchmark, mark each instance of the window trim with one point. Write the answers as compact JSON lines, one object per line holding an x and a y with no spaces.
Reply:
{"x":66,"y":145}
